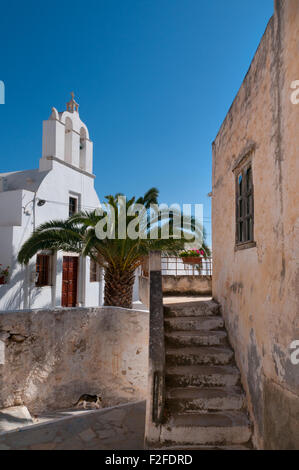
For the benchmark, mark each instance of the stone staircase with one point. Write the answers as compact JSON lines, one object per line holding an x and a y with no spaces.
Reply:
{"x":205,"y":403}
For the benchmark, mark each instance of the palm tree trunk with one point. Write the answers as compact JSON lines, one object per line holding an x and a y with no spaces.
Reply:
{"x":118,"y":287}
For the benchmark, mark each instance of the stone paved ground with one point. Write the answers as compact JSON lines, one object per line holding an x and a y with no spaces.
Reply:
{"x":117,"y":428}
{"x":14,"y":417}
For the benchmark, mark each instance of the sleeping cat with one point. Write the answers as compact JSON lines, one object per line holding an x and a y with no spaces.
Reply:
{"x":92,"y":400}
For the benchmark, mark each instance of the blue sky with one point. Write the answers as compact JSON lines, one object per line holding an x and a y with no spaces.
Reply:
{"x":154,"y":79}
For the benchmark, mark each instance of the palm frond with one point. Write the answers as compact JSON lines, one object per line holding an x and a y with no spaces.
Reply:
{"x":78,"y":233}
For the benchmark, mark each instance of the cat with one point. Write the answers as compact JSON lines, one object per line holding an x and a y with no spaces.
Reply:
{"x":93,"y":400}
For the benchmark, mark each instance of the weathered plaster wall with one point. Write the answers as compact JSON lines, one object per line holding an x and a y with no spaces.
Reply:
{"x":258,"y":288}
{"x":52,"y":357}
{"x":177,"y":285}
{"x":144,"y":290}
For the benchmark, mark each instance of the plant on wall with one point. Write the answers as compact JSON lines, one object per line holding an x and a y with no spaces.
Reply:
{"x":203,"y":253}
{"x":4,"y":274}
{"x":195,"y":257}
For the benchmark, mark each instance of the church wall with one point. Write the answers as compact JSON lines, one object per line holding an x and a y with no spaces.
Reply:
{"x":11,"y":203}
{"x":60,"y":182}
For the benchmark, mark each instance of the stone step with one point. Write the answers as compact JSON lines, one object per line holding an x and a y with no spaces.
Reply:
{"x":196,"y":338}
{"x":217,"y":376}
{"x":192,"y":399}
{"x":246,"y":446}
{"x":226,"y":428}
{"x":192,"y":309}
{"x":202,"y":323}
{"x":199,"y":355}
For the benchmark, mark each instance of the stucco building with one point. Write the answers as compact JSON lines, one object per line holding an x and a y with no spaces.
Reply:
{"x":62,"y":185}
{"x":255,"y":213}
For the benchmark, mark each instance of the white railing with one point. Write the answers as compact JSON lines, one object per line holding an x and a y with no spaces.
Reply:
{"x":175,"y":266}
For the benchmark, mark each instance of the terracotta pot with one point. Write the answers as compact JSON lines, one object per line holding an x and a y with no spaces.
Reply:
{"x":192,"y":260}
{"x":2,"y":280}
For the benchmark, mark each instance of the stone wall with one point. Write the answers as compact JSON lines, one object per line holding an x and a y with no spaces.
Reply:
{"x":51,"y":357}
{"x":258,"y":287}
{"x":120,"y":428}
{"x":144,"y":290}
{"x":177,"y":285}
{"x":199,"y":285}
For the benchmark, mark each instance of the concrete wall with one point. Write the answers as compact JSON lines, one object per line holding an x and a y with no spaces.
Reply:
{"x":120,"y":428}
{"x":52,"y":357}
{"x":144,"y":285}
{"x":201,"y":285}
{"x":258,"y":288}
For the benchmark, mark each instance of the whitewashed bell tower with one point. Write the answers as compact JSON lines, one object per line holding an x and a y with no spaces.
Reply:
{"x":66,"y":139}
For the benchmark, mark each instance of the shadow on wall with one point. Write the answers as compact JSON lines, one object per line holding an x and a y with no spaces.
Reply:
{"x":21,"y":293}
{"x":12,"y":295}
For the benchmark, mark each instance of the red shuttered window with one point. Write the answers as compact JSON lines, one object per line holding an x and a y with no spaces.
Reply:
{"x":43,"y":270}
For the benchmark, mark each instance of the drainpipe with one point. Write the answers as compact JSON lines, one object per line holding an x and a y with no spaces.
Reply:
{"x":82,"y":282}
{"x":29,"y":274}
{"x":33,"y":211}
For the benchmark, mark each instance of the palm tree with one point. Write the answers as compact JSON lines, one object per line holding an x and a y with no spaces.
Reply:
{"x":117,"y":252}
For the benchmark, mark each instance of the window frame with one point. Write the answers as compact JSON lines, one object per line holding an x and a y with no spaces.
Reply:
{"x":94,"y":274}
{"x":73,"y":198}
{"x":245,"y":201}
{"x":46,"y":271}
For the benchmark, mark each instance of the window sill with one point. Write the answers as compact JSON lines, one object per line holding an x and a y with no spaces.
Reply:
{"x":245,"y":246}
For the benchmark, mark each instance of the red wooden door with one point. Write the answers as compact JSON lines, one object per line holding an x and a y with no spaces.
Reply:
{"x":69,"y":281}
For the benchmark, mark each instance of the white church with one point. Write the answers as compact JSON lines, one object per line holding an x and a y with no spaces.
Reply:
{"x":62,"y":185}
